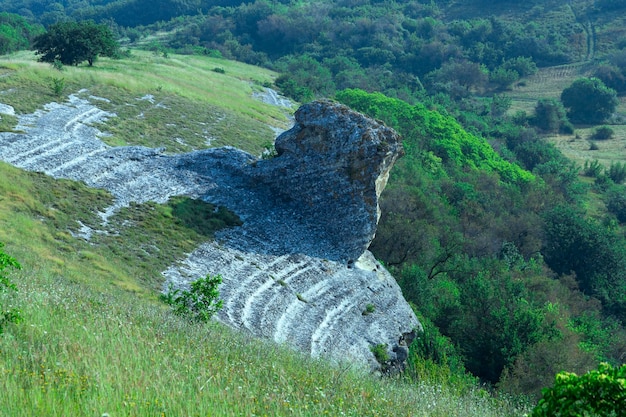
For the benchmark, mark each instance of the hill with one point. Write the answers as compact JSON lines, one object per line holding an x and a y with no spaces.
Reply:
{"x":96,"y":340}
{"x":507,"y":236}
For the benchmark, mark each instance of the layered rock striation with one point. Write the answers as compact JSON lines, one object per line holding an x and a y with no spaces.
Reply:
{"x":297,"y":271}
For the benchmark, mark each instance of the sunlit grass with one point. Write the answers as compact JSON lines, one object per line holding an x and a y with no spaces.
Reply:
{"x":179,"y":103}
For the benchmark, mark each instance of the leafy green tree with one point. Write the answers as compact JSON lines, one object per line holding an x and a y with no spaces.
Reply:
{"x":16,"y":33}
{"x":597,"y":393}
{"x":549,"y":115}
{"x":593,"y":252}
{"x":588,"y":100}
{"x":74,"y":42}
{"x":7,"y":315}
{"x":616,"y":202}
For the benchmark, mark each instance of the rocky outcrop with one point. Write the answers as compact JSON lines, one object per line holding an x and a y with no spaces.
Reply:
{"x":297,"y":271}
{"x":331,"y":168}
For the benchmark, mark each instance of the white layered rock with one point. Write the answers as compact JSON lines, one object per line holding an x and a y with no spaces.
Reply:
{"x":297,"y":271}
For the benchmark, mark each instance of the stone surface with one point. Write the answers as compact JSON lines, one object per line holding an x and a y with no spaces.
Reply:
{"x":297,"y":270}
{"x":331,"y":168}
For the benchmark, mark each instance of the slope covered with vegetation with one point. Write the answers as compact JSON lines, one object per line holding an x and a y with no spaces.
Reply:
{"x":95,"y":338}
{"x":511,"y":250}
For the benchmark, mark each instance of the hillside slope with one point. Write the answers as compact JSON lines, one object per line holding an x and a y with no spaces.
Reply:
{"x":61,"y":359}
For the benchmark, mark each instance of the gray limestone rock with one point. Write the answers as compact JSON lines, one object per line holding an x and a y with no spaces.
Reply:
{"x":297,"y":271}
{"x":331,"y":168}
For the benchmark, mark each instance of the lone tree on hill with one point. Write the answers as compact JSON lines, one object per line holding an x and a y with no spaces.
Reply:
{"x":588,"y":100}
{"x":74,"y":42}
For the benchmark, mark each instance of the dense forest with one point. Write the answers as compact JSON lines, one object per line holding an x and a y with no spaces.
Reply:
{"x":488,"y":228}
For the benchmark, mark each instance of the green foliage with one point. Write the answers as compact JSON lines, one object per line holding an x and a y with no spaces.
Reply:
{"x":592,"y":169}
{"x":16,"y":33}
{"x":7,"y":314}
{"x":603,"y":133}
{"x":369,"y":309}
{"x":57,"y":85}
{"x":502,"y":78}
{"x":200,"y":302}
{"x":504,"y":323}
{"x":290,"y":88}
{"x":74,"y":42}
{"x":601,"y":392}
{"x":549,"y":115}
{"x":617,"y":172}
{"x":380,"y":352}
{"x":592,"y":251}
{"x":304,"y":78}
{"x":588,"y":100}
{"x":433,"y":131}
{"x":612,"y":76}
{"x":616,"y":202}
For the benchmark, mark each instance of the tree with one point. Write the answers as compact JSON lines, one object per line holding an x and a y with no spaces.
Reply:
{"x":74,"y":42}
{"x":596,"y":393}
{"x":589,"y":100}
{"x":550,"y":115}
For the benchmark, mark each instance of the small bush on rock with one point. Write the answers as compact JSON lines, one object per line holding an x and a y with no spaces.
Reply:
{"x":380,"y":352}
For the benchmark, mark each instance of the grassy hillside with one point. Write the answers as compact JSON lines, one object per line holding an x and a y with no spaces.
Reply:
{"x":95,"y":338}
{"x":180,"y":103}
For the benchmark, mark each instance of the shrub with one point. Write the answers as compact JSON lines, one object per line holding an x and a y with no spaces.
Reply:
{"x":7,"y":315}
{"x":598,"y":393}
{"x":617,"y":172}
{"x":380,"y":352}
{"x":200,"y":302}
{"x":369,"y":309}
{"x":588,"y":100}
{"x":616,"y":202}
{"x":57,"y":85}
{"x":603,"y":133}
{"x":550,"y":116}
{"x":592,"y":169}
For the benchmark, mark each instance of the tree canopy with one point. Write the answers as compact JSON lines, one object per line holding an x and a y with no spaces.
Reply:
{"x":589,"y":100}
{"x":74,"y":42}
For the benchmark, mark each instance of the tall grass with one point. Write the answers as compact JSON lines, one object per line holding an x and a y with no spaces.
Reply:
{"x":87,"y":352}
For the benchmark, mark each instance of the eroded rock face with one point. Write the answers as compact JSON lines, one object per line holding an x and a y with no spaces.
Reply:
{"x":297,"y":271}
{"x":331,"y":167}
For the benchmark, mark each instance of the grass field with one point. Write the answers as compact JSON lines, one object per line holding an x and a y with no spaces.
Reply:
{"x":549,"y":83}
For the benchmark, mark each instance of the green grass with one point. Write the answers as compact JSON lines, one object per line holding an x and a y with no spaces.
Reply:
{"x":193,"y":107}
